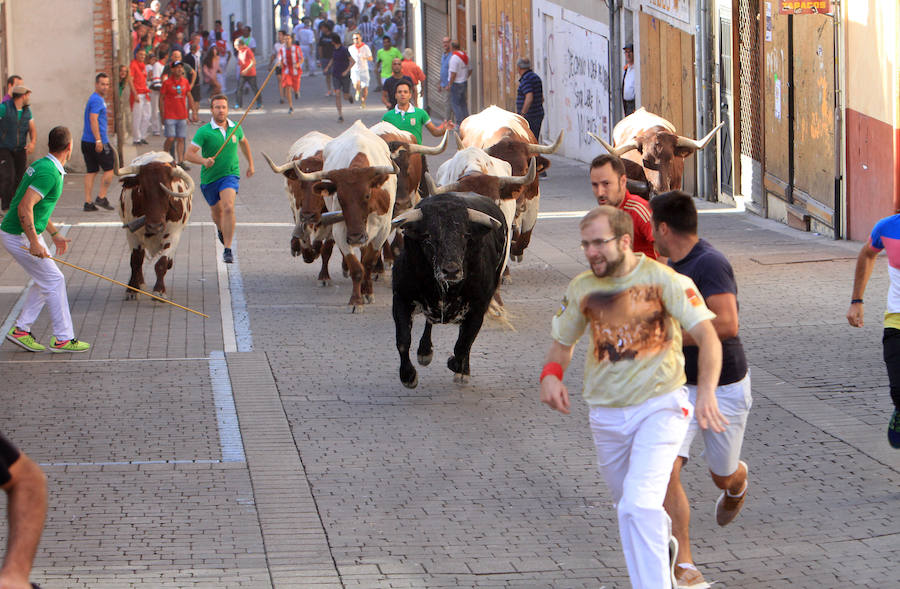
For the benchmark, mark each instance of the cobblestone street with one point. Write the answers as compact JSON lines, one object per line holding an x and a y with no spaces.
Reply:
{"x":272,"y":445}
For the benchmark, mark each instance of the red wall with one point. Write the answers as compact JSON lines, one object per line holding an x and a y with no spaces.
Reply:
{"x":872,"y":173}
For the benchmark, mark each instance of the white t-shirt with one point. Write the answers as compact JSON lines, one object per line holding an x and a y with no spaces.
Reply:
{"x":628,"y":84}
{"x":462,"y":70}
{"x":362,"y":57}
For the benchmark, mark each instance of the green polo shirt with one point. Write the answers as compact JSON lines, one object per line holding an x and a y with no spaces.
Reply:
{"x":45,"y":176}
{"x":412,"y":120}
{"x":209,"y":138}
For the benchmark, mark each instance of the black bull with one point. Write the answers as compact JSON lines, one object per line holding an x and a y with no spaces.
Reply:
{"x":454,"y":248}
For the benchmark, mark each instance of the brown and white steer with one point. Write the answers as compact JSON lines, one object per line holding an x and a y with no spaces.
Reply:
{"x":312,"y":231}
{"x":651,"y":142}
{"x":155,"y":205}
{"x":361,"y":181}
{"x":507,"y":136}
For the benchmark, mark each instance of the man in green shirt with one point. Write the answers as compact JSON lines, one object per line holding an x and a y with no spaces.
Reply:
{"x":17,"y":137}
{"x":386,"y":56}
{"x":220,"y":176}
{"x":33,"y":204}
{"x":407,"y":117}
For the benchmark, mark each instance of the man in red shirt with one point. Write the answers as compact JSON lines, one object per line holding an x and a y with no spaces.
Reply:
{"x":247,"y":64}
{"x":291,"y":59}
{"x":140,"y":108}
{"x":608,"y":182}
{"x":174,"y":97}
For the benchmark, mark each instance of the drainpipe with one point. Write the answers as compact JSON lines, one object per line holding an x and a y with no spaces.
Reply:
{"x":707,"y":181}
{"x":615,"y":64}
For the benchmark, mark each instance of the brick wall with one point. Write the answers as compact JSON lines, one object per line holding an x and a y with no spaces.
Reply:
{"x":103,"y":53}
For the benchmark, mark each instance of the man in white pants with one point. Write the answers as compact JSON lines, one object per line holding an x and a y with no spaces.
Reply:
{"x":634,"y":380}
{"x":33,"y":204}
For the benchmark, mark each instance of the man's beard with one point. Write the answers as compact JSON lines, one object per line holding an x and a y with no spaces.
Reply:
{"x":612,"y":266}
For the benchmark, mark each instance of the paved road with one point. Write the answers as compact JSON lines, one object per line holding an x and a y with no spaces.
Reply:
{"x":272,"y":445}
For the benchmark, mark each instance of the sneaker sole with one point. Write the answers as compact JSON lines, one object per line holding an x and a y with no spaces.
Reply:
{"x":23,"y":346}
{"x":61,"y":351}
{"x":722,"y":498}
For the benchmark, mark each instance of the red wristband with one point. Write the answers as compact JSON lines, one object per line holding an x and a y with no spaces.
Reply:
{"x":554,"y":368}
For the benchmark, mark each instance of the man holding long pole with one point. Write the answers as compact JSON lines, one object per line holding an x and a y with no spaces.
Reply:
{"x":214,"y":146}
{"x":33,"y":203}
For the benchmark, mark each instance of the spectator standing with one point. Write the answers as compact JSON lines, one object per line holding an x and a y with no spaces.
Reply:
{"x":224,"y":58}
{"x":389,"y":88}
{"x":314,"y":10}
{"x":340,"y":66}
{"x":306,"y":38}
{"x":25,"y":485}
{"x":17,"y":139}
{"x":191,"y":75}
{"x":247,"y":65}
{"x":350,"y":30}
{"x":156,"y":80}
{"x":634,"y":380}
{"x":276,"y":51}
{"x":530,"y":96}
{"x":444,"y":82}
{"x":12,"y":82}
{"x":359,"y":73}
{"x":325,"y":51}
{"x":194,"y":60}
{"x":140,"y":107}
{"x":459,"y":82}
{"x":367,"y":30}
{"x":220,"y":177}
{"x":210,"y":68}
{"x":390,"y":29}
{"x":385,"y":57}
{"x":174,"y":111}
{"x":407,"y":117}
{"x":95,"y":146}
{"x":291,"y":59}
{"x":628,"y":80}
{"x":412,"y":71}
{"x":609,"y":183}
{"x":34,"y":202}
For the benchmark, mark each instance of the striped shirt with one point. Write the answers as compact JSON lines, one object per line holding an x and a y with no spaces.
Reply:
{"x":639,"y":210}
{"x":367,"y":30}
{"x":531,"y":82}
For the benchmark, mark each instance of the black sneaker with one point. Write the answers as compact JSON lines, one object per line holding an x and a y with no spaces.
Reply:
{"x":103,"y":202}
{"x":227,"y":256}
{"x":220,"y":236}
{"x":89,"y":206}
{"x":144,"y":142}
{"x":894,"y":430}
{"x":340,"y":119}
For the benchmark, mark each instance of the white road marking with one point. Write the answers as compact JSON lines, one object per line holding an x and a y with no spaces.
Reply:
{"x":230,"y":440}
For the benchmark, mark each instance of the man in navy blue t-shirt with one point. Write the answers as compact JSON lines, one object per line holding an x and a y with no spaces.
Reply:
{"x":675,"y":235}
{"x":340,"y":66}
{"x":530,"y":96}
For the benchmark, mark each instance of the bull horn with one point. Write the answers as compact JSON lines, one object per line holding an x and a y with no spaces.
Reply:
{"x":135,"y":224}
{"x":392,"y":169}
{"x":126,"y":171}
{"x":425,"y":150}
{"x":410,"y":216}
{"x":688,"y":142}
{"x":459,"y":142}
{"x":484,"y":219}
{"x":331,"y":218}
{"x":180,"y":173}
{"x":430,"y":186}
{"x":309,"y":176}
{"x":528,"y":178}
{"x":276,"y":168}
{"x":538,"y":148}
{"x":616,"y":151}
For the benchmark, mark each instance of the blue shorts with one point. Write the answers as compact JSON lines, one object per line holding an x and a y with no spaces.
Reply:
{"x":211,"y":191}
{"x":176,"y":128}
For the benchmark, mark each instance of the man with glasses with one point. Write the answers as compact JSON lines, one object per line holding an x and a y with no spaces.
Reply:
{"x":635,"y":309}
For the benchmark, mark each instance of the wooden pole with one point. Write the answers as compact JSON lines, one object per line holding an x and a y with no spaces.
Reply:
{"x":233,"y":129}
{"x":129,"y":287}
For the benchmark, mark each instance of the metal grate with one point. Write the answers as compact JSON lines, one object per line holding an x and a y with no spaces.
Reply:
{"x":750,"y":80}
{"x":435,"y":29}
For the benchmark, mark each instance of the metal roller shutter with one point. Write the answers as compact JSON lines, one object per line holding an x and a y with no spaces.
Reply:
{"x":435,"y":28}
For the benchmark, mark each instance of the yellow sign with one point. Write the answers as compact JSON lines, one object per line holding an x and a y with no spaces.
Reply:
{"x":805,"y":6}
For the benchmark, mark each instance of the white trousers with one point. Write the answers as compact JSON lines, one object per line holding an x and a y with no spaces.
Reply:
{"x":155,"y":123}
{"x":49,"y":287}
{"x":636,"y":447}
{"x":140,"y":117}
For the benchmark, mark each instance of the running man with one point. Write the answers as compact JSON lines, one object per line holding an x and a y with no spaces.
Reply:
{"x":290,"y":58}
{"x":635,"y":309}
{"x":25,"y":485}
{"x":33,"y":203}
{"x":675,"y":235}
{"x":220,"y":177}
{"x":885,"y":235}
{"x":359,"y":74}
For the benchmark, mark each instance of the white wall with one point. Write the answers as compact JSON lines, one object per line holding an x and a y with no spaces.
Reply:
{"x":57,"y":64}
{"x":571,"y":54}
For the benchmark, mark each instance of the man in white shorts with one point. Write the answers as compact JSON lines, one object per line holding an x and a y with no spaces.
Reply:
{"x":359,"y":73}
{"x":675,"y":234}
{"x":635,"y":310}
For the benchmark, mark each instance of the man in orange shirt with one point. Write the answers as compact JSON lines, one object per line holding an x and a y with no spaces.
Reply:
{"x":410,"y":69}
{"x":140,"y":109}
{"x":175,"y":95}
{"x":608,"y":181}
{"x":247,"y":65}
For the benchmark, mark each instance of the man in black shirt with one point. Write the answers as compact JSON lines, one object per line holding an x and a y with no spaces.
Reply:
{"x":340,"y":65}
{"x":389,"y":89}
{"x":324,"y":51}
{"x":675,"y":235}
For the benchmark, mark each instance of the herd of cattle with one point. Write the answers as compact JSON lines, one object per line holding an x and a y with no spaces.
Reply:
{"x":452,"y":235}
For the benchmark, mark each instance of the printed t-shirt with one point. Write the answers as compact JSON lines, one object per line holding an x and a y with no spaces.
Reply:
{"x":412,"y":120}
{"x":174,"y":95}
{"x":209,"y":139}
{"x":635,"y":325}
{"x":95,"y":104}
{"x":886,"y":236}
{"x":713,"y":275}
{"x":640,"y":213}
{"x":385,"y":58}
{"x":244,"y":58}
{"x":44,"y":176}
{"x":339,"y":61}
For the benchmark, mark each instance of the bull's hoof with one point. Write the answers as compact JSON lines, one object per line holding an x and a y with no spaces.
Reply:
{"x":516,"y":257}
{"x":411,"y":384}
{"x":346,"y":273}
{"x":159,"y":294}
{"x":375,"y":277}
{"x":130,"y":295}
{"x":295,"y":253}
{"x":357,"y":308}
{"x":460,"y":378}
{"x":325,"y":281}
{"x":506,"y":279}
{"x":425,"y":359}
{"x":368,"y":298}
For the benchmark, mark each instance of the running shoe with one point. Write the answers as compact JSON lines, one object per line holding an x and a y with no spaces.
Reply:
{"x":688,"y":577}
{"x":25,"y":340}
{"x":728,"y":507}
{"x":227,"y":256}
{"x":89,"y":206}
{"x":103,"y":202}
{"x":894,"y":430}
{"x":68,"y":345}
